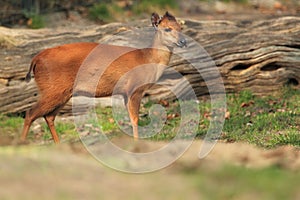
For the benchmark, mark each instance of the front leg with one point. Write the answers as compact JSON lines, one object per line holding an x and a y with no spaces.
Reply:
{"x":133,"y":107}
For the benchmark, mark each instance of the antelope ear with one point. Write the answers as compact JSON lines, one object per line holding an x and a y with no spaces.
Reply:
{"x":169,"y":16}
{"x":155,"y":20}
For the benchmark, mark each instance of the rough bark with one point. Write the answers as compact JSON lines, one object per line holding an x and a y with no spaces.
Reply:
{"x":261,"y":56}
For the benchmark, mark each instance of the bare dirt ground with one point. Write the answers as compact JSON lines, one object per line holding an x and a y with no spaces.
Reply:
{"x":67,"y":171}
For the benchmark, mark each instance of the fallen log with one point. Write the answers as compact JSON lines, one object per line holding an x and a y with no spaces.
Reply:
{"x":261,"y":56}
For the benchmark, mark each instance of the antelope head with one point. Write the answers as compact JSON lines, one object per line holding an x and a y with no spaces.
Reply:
{"x":168,"y":30}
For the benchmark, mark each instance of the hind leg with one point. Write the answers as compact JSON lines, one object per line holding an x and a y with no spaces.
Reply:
{"x":31,"y":115}
{"x":50,"y":122}
{"x":27,"y":123}
{"x":49,"y":118}
{"x":47,"y":107}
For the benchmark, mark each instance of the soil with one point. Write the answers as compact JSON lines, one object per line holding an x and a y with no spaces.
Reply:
{"x":68,"y":171}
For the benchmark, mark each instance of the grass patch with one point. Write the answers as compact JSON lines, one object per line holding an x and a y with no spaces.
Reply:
{"x":229,"y":1}
{"x":65,"y":130}
{"x":113,"y":11}
{"x":231,"y":182}
{"x":100,"y":12}
{"x":10,"y":124}
{"x":263,"y":121}
{"x":35,"y":21}
{"x":145,"y":6}
{"x":267,"y":122}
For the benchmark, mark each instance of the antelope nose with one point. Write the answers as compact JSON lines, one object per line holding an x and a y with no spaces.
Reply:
{"x":182,"y":42}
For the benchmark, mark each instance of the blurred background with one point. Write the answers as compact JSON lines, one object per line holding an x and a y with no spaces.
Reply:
{"x":49,"y":13}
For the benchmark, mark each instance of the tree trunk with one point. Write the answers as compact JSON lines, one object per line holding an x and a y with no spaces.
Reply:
{"x":261,"y":56}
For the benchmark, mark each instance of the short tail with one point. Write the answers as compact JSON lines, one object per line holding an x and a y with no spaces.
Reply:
{"x":28,"y":75}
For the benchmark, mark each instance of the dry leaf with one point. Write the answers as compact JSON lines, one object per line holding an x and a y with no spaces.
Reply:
{"x":164,"y":103}
{"x":111,"y":120}
{"x":227,"y":115}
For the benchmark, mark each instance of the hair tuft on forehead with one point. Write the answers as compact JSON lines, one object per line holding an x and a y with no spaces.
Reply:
{"x":168,"y":16}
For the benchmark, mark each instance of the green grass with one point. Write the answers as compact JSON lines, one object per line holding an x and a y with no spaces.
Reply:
{"x":263,"y":121}
{"x":65,"y":130}
{"x":232,"y":182}
{"x":227,"y":1}
{"x":36,"y":21}
{"x":10,"y":128}
{"x":145,"y":6}
{"x":100,"y":12}
{"x":10,"y":122}
{"x":266,"y":122}
{"x":109,"y":12}
{"x":10,"y":125}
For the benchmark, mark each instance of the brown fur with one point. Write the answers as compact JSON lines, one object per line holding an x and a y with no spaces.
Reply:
{"x":55,"y":71}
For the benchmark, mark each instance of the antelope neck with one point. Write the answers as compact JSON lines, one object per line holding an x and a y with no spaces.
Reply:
{"x":159,"y":53}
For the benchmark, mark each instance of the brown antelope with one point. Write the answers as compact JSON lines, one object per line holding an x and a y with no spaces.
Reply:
{"x":55,"y":70}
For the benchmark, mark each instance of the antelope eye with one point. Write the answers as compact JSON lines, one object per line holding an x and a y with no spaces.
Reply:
{"x":168,"y":29}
